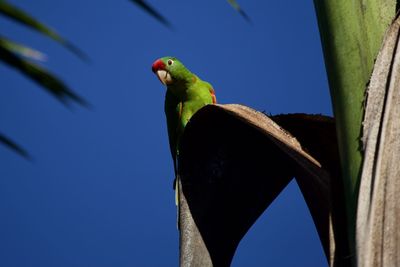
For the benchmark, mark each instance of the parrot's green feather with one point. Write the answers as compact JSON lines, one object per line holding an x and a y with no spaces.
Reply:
{"x":186,"y":94}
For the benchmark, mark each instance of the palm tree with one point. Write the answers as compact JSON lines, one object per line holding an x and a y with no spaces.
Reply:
{"x":360,"y":41}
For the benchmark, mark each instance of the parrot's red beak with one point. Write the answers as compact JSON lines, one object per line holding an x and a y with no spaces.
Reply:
{"x":159,"y":69}
{"x":158,"y":65}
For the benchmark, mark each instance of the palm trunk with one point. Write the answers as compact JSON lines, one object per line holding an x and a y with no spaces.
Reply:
{"x":351,"y":35}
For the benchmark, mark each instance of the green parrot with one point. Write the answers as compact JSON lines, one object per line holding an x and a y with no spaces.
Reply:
{"x":186,"y":94}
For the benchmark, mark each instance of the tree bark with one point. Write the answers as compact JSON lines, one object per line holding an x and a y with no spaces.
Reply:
{"x":378,"y":216}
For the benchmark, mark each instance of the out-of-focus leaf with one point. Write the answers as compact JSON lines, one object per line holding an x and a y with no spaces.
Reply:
{"x":49,"y":82}
{"x":22,"y":17}
{"x":151,"y":11}
{"x":236,"y":6}
{"x":23,"y":50}
{"x":14,"y":146}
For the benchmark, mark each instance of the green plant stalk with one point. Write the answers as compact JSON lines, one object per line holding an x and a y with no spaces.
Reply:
{"x":351,"y":34}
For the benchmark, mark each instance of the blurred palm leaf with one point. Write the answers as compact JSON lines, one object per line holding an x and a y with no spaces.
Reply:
{"x":22,"y":17}
{"x":49,"y":82}
{"x":22,"y":50}
{"x":16,"y":56}
{"x":151,"y":11}
{"x":13,"y":146}
{"x":236,"y":6}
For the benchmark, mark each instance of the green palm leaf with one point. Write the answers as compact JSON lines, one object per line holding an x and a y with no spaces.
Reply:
{"x":36,"y":73}
{"x":22,"y":50}
{"x":22,"y":17}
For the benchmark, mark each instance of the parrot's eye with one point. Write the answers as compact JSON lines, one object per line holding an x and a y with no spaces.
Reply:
{"x":170,"y":62}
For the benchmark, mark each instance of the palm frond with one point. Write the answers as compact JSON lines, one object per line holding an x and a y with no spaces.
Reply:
{"x":41,"y":76}
{"x":23,"y":50}
{"x":24,"y":18}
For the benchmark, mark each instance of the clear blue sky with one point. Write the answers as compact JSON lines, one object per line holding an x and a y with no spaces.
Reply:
{"x":99,"y":192}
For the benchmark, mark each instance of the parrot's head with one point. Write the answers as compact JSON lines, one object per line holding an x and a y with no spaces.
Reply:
{"x":170,"y":70}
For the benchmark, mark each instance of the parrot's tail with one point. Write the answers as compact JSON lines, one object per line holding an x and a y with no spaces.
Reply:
{"x":176,"y":185}
{"x":176,"y":188}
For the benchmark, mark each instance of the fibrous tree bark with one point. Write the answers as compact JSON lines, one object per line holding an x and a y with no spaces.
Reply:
{"x":378,"y":216}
